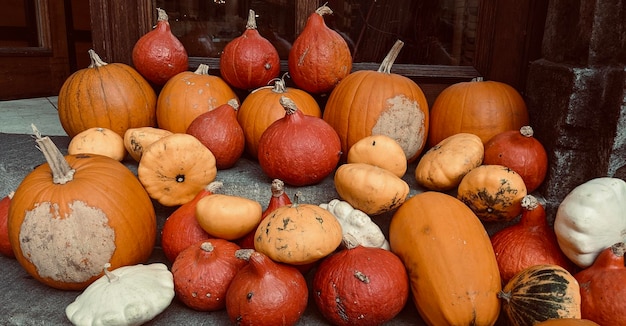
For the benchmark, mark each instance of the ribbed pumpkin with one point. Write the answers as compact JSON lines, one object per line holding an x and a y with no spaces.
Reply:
{"x":189,"y":94}
{"x":483,"y":108}
{"x":539,"y":293}
{"x":72,"y":215}
{"x":250,"y":60}
{"x":370,"y":102}
{"x":452,"y":267}
{"x":494,"y":192}
{"x":319,"y":57}
{"x":262,"y":107}
{"x":113,"y":96}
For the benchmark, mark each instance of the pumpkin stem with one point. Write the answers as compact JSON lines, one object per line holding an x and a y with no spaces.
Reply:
{"x":278,"y":188}
{"x":214,"y":186}
{"x":207,"y":246}
{"x":96,"y":61}
{"x":506,"y":296}
{"x":244,"y":254}
{"x":296,"y":199}
{"x":279,"y":85}
{"x":526,"y":131}
{"x":619,"y":249}
{"x":251,"y":23}
{"x":203,"y":69}
{"x":390,"y":58}
{"x":478,"y":79}
{"x":234,"y":103}
{"x":288,"y":104}
{"x":161,"y":15}
{"x":110,"y":276}
{"x":529,"y":202}
{"x":324,"y":10}
{"x":62,"y":172}
{"x":11,"y":194}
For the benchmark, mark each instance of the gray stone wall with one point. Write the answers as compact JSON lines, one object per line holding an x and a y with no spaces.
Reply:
{"x":576,"y":94}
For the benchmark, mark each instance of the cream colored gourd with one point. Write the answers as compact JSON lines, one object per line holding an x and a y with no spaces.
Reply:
{"x":227,"y":216}
{"x":357,"y":224}
{"x":590,"y":218}
{"x":443,"y":166}
{"x":381,"y":151}
{"x":369,"y":188}
{"x":129,"y":295}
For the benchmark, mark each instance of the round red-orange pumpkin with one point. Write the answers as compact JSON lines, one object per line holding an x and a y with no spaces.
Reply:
{"x":107,"y":95}
{"x":5,"y":245}
{"x":319,"y":57}
{"x":370,"y":102}
{"x":72,"y":215}
{"x":262,"y":107}
{"x":483,"y":108}
{"x":158,"y":55}
{"x":520,"y":151}
{"x":189,"y":94}
{"x":250,"y":60}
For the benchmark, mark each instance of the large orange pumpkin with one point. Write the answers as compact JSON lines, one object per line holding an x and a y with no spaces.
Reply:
{"x":106,"y":95}
{"x":370,"y":102}
{"x":452,"y":267}
{"x":262,"y":107}
{"x":72,"y":215}
{"x":483,"y":108}
{"x":189,"y":94}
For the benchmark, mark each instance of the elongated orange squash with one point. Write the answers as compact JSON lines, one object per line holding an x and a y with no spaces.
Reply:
{"x":451,"y":264}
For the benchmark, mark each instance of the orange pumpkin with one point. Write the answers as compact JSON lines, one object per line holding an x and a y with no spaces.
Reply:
{"x":262,"y":107}
{"x":113,"y":96}
{"x":379,"y":102}
{"x":452,"y":267}
{"x":483,"y":108}
{"x":567,"y":322}
{"x":72,"y":215}
{"x":189,"y":94}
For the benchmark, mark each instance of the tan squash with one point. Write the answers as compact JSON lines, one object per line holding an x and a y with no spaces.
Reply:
{"x":369,"y":188}
{"x":136,"y":140}
{"x":494,"y":192}
{"x":443,"y":166}
{"x":298,"y":234}
{"x":379,"y":150}
{"x":452,"y":267}
{"x":228,"y":217}
{"x":175,"y":168}
{"x":96,"y":140}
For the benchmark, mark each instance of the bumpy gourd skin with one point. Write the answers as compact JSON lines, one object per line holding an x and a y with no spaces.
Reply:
{"x":129,"y":295}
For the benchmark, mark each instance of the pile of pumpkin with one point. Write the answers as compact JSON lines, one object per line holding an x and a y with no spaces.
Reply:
{"x":227,"y":252}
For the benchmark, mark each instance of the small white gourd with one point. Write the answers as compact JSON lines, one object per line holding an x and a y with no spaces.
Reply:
{"x":591,"y":218}
{"x":129,"y":295}
{"x":357,"y":224}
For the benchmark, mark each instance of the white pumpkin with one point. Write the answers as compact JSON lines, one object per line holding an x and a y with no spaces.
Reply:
{"x":357,"y":224}
{"x":591,"y":218}
{"x":129,"y":295}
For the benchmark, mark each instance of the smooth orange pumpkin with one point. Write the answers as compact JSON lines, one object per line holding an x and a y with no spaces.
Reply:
{"x":319,"y":57}
{"x":262,"y":107}
{"x":97,"y":140}
{"x":74,"y":214}
{"x":370,"y":102}
{"x":483,"y":108}
{"x":452,"y":267}
{"x":187,"y":95}
{"x":108,"y":95}
{"x":567,"y":322}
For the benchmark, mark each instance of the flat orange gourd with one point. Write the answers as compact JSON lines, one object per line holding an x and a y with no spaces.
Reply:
{"x":452,"y":267}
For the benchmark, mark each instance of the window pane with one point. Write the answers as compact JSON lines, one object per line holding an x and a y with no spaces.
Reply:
{"x":434,"y":31}
{"x":18,"y":26}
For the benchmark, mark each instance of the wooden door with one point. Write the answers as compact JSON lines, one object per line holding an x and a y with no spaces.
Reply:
{"x":40,"y":45}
